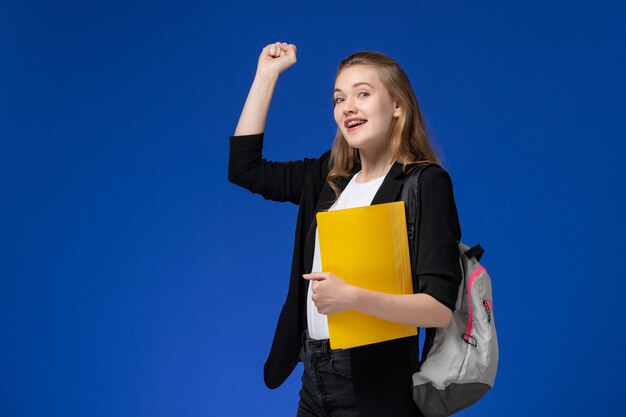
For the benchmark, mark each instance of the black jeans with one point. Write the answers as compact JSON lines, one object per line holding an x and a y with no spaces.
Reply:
{"x":326,"y":382}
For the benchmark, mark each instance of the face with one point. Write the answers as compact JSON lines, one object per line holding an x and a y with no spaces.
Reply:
{"x":364,"y":110}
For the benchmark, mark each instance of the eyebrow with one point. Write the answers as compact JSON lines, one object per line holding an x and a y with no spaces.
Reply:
{"x":356,"y":85}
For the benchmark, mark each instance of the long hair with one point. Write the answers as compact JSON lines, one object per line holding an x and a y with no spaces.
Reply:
{"x":408,"y":140}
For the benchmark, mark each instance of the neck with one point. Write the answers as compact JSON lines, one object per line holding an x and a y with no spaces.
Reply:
{"x":374,"y":164}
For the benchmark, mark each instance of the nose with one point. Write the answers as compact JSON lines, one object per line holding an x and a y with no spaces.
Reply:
{"x":349,"y":107}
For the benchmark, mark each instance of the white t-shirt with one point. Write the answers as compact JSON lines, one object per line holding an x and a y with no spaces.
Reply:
{"x":354,"y":195}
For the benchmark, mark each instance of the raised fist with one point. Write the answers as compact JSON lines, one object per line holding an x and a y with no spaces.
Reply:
{"x":276,"y":58}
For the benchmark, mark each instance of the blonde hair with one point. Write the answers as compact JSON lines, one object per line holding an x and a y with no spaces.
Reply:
{"x":409,"y":140}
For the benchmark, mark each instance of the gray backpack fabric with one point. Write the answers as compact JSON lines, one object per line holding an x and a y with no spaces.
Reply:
{"x":459,"y":362}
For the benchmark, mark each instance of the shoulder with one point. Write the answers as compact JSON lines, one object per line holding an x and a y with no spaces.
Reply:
{"x":325,"y":157}
{"x":435,"y":188}
{"x":434,"y":176}
{"x":318,"y":167}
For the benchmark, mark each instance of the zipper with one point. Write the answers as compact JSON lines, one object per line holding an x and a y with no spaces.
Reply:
{"x":487,"y":304}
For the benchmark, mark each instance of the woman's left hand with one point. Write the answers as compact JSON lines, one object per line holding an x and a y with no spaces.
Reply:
{"x":331,"y":294}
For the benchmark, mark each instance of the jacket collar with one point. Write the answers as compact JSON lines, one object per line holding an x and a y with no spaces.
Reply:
{"x":388,"y":191}
{"x":391,"y":186}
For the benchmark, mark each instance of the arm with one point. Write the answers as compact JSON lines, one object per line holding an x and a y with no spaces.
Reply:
{"x":274,"y":59}
{"x":278,"y":181}
{"x":438,"y":268}
{"x":332,"y":295}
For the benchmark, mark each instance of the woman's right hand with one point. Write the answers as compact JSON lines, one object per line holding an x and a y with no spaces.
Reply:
{"x":276,"y":58}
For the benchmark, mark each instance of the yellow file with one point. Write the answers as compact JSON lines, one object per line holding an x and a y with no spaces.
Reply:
{"x":367,"y":247}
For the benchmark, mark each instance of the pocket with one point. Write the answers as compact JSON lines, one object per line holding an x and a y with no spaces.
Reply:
{"x":340,"y":363}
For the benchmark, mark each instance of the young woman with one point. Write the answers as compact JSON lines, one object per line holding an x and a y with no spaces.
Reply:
{"x":380,"y":137}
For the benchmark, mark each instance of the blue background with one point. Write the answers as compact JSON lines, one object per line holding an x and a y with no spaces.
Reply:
{"x":136,"y":281}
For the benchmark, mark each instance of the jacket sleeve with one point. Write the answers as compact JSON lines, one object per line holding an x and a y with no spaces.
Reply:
{"x":438,"y":267}
{"x":277,"y":181}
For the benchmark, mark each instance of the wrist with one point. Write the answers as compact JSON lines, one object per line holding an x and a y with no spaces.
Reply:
{"x":266,"y":76}
{"x":355,"y":297}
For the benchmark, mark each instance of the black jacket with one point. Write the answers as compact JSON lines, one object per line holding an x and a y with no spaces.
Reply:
{"x":381,"y":372}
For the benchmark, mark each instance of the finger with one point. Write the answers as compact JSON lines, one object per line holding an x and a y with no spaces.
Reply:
{"x":289,"y":50}
{"x":314,"y":276}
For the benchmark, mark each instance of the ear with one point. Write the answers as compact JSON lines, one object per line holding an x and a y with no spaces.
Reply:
{"x":397,"y":110}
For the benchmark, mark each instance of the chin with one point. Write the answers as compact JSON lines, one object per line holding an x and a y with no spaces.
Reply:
{"x":356,"y":144}
{"x":352,"y":138}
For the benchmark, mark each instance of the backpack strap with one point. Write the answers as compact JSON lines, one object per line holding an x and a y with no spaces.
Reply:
{"x":410,"y":190}
{"x":475,"y":252}
{"x":411,"y":201}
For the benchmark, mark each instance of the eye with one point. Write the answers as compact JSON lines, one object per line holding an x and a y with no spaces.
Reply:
{"x":337,"y":100}
{"x":364,"y":94}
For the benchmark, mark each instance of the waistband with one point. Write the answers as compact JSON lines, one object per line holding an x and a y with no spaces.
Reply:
{"x":316,"y":346}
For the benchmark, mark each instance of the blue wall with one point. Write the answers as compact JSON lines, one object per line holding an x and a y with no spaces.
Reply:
{"x":126,"y":285}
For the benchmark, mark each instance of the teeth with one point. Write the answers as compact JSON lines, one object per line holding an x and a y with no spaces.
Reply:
{"x":355,"y":122}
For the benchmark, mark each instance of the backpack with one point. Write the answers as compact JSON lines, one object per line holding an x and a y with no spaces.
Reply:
{"x":459,"y":362}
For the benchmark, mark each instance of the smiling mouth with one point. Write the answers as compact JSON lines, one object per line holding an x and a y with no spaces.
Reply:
{"x":354,"y":124}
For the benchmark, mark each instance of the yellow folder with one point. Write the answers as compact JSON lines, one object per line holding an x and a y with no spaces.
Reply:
{"x":366,"y":247}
